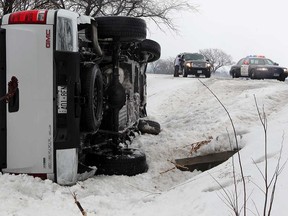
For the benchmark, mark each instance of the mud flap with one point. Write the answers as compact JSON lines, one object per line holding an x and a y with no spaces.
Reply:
{"x":67,"y":166}
{"x":68,"y":169}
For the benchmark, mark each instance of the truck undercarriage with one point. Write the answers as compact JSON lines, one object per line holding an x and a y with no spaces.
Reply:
{"x":123,"y":59}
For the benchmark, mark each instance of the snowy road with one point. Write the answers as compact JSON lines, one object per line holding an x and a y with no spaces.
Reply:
{"x":188,"y":113}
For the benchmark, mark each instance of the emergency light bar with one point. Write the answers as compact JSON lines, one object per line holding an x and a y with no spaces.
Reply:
{"x":256,"y":56}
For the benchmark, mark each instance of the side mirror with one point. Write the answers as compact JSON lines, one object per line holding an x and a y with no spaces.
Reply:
{"x":276,"y":64}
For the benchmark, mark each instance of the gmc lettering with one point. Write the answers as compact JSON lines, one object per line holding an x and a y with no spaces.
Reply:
{"x":48,"y":36}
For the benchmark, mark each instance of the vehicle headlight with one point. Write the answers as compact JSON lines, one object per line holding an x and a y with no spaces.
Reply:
{"x":208,"y":65}
{"x":262,"y":69}
{"x":189,"y":64}
{"x":285,"y":69}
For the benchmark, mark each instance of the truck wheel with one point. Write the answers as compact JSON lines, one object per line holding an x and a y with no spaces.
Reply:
{"x":148,"y":126}
{"x":121,"y":28}
{"x":252,"y":75}
{"x":126,"y":161}
{"x":92,"y":90}
{"x":152,"y":48}
{"x":282,"y":77}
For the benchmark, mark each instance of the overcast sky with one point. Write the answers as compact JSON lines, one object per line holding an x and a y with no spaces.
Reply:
{"x":239,"y":28}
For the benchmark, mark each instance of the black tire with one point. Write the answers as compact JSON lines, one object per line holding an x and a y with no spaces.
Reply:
{"x":252,"y":75}
{"x":149,"y":127}
{"x":234,"y":74}
{"x":121,"y":28}
{"x":126,"y":161}
{"x":152,"y":48}
{"x":208,"y":75}
{"x":282,"y":77}
{"x":92,"y":90}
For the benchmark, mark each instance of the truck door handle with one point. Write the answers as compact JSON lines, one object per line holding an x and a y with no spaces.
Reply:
{"x":13,"y":104}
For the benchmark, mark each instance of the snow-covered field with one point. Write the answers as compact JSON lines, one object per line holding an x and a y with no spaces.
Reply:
{"x":188,"y":113}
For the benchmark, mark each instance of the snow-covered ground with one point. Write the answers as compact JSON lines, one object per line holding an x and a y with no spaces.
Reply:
{"x":188,"y":113}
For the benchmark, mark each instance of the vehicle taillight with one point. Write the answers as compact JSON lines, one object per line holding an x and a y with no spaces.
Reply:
{"x":28,"y":17}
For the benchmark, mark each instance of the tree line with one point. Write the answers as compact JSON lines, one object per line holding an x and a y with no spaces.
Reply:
{"x":217,"y":58}
{"x":160,"y":12}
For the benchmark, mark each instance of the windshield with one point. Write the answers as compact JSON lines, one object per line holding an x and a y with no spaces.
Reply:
{"x":269,"y":62}
{"x":193,"y":56}
{"x":260,"y":61}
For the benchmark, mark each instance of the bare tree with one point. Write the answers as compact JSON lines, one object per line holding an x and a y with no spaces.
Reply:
{"x":6,"y":6}
{"x":160,"y":12}
{"x":162,"y":66}
{"x":231,"y":199}
{"x":9,"y":6}
{"x":217,"y":58}
{"x":153,"y":66}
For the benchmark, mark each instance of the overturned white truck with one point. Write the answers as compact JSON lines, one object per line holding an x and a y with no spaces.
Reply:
{"x":74,"y":91}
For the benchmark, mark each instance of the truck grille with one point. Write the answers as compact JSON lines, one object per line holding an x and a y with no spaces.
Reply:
{"x":199,"y":64}
{"x":276,"y":70}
